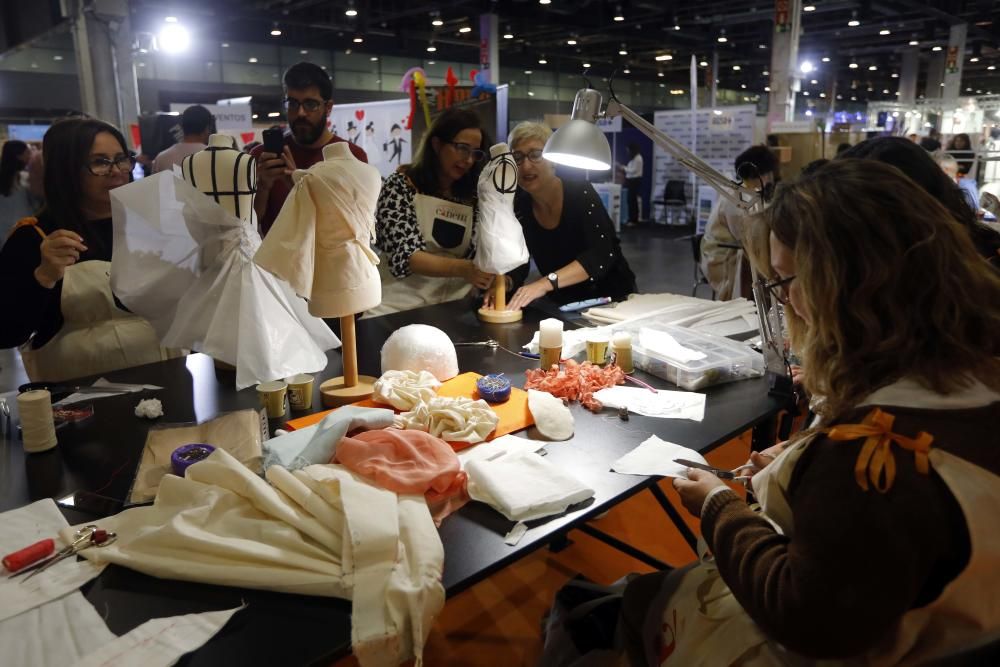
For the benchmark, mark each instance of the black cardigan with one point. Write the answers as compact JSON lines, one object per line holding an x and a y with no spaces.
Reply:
{"x":585,"y":234}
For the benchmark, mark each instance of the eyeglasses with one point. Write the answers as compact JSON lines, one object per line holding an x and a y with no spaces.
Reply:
{"x":102,"y":166}
{"x":467,"y":151}
{"x":779,"y":289}
{"x":534,"y":155}
{"x":311,"y":106}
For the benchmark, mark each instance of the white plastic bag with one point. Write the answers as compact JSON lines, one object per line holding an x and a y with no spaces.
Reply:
{"x":500,"y":245}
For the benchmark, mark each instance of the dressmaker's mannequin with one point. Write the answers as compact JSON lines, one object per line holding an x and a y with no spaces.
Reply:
{"x":225,"y":174}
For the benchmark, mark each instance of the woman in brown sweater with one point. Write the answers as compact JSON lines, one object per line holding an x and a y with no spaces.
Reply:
{"x":876,"y":543}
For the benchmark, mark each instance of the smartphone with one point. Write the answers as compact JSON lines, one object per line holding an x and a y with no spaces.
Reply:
{"x":274,"y":140}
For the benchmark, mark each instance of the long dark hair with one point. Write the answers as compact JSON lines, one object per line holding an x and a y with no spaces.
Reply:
{"x":917,"y":163}
{"x":65,"y":151}
{"x":424,"y":170}
{"x":11,"y":165}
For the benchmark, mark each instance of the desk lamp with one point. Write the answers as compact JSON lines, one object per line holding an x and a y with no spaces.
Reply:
{"x":581,"y":144}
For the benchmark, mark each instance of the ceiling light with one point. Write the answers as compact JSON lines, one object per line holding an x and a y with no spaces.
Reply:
{"x":431,"y":49}
{"x":57,"y":57}
{"x":531,"y":93}
{"x":276,"y":33}
{"x":765,"y":73}
{"x":895,"y":114}
{"x":762,"y":45}
{"x":663,"y":56}
{"x":225,"y":45}
{"x":351,"y":11}
{"x":170,"y":19}
{"x":508,"y":35}
{"x":974,"y":59}
{"x":586,"y":65}
{"x":743,"y":86}
{"x":822,"y":95}
{"x":571,"y":42}
{"x":358,"y":39}
{"x":736,"y":68}
{"x":374,"y":59}
{"x":767,"y":89}
{"x":991,"y":67}
{"x":840,"y":97}
{"x":806,"y":67}
{"x":854,"y":22}
{"x":853,"y":65}
{"x":251,"y":60}
{"x":854,"y":98}
{"x":254,"y":116}
{"x":813,"y":82}
{"x":618,"y":14}
{"x":676,"y":27}
{"x":872,"y":68}
{"x":659,"y":74}
{"x":702,"y":63}
{"x":914,"y":42}
{"x":464,"y":29}
{"x":806,"y":93}
{"x":626,"y":71}
{"x":809,"y":112}
{"x":304,"y":51}
{"x":274,"y":114}
{"x":936,"y":48}
{"x":544,"y":2}
{"x":722,"y":39}
{"x":885,"y":91}
{"x":885,"y":31}
{"x":895,"y":75}
{"x":826,"y":59}
{"x":543,"y":61}
{"x":809,"y":8}
{"x":174,"y":38}
{"x":623,"y":51}
{"x":437,"y":23}
{"x":528,"y":72}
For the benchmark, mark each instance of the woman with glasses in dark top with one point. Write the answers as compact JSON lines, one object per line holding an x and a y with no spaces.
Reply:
{"x":426,"y":217}
{"x":56,"y":268}
{"x":567,"y":229}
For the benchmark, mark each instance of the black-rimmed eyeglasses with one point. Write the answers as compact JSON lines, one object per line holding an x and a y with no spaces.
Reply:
{"x":779,"y":289}
{"x":292,"y":105}
{"x":102,"y":166}
{"x":534,"y":155}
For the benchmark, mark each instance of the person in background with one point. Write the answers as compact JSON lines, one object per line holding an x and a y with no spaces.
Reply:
{"x":914,"y":137}
{"x":426,"y":215}
{"x":960,"y":147}
{"x":877,"y":541}
{"x":633,"y":181}
{"x":567,"y":229}
{"x":722,"y":259}
{"x":15,"y":200}
{"x":197,"y":123}
{"x":308,"y":101}
{"x":950,"y":166}
{"x":56,"y":267}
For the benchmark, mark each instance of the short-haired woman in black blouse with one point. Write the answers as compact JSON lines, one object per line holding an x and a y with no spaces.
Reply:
{"x":569,"y":233}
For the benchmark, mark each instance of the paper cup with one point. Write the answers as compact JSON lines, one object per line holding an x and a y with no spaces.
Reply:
{"x":272,"y":397}
{"x":300,"y":391}
{"x":597,"y":350}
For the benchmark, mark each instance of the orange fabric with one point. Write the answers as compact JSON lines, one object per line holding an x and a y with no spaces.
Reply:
{"x":28,"y":222}
{"x":407,"y":462}
{"x":514,"y":414}
{"x":876,"y":461}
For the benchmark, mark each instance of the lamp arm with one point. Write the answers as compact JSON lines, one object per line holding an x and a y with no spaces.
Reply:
{"x":724,"y":186}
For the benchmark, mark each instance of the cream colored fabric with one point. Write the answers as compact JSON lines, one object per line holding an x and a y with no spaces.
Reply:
{"x":96,"y":335}
{"x":552,"y":418}
{"x":404,"y":390}
{"x":452,"y":419}
{"x":500,"y":246}
{"x":722,"y":265}
{"x":321,"y":241}
{"x":966,"y":614}
{"x":524,"y":486}
{"x":317,"y":531}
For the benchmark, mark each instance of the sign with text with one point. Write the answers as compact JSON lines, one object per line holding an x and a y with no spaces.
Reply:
{"x":227,"y":116}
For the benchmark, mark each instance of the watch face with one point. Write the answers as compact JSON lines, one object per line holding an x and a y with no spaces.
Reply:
{"x":553,"y":276}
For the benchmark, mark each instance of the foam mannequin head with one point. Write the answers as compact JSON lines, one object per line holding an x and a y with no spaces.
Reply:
{"x":419,"y":347}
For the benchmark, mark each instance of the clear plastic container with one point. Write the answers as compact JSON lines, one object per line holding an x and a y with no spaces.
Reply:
{"x":724,"y":360}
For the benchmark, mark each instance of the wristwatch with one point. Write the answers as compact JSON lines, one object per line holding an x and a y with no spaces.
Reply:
{"x":554,"y":279}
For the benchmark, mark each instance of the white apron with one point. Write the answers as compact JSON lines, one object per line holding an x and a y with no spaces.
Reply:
{"x":96,"y":336}
{"x":446,"y":228}
{"x":704,"y":625}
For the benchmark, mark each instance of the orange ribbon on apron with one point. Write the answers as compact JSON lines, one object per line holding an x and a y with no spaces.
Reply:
{"x":876,"y":461}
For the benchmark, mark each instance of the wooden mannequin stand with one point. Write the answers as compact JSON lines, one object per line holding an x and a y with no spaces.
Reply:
{"x":499,"y":313}
{"x":349,"y":387}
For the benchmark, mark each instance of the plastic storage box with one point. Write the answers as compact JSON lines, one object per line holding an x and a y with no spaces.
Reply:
{"x":725,"y":360}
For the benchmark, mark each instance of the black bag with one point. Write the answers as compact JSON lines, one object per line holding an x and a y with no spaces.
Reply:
{"x":580,"y":627}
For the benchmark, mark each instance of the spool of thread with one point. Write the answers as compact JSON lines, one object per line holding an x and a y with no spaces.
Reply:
{"x":493,"y":388}
{"x":28,"y":555}
{"x":549,"y":357}
{"x":621,"y":345}
{"x":38,"y":431}
{"x":187,"y":455}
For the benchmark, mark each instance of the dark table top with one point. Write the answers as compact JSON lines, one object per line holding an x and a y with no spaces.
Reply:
{"x":101,"y":454}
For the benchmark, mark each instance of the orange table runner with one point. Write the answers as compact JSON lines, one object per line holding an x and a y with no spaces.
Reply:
{"x":514,"y":414}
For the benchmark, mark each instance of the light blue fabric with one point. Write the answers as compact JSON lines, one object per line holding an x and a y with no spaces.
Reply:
{"x":970,"y":190}
{"x":318,"y":444}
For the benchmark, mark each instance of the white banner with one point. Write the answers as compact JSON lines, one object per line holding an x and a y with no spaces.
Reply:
{"x":237,"y":117}
{"x":378,"y":127}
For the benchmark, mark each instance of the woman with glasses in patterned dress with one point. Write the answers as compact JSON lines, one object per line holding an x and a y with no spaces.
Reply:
{"x":56,"y":268}
{"x":567,"y":229}
{"x":426,"y":216}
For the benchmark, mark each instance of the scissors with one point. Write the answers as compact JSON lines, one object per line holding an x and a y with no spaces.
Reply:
{"x":88,"y":536}
{"x":492,"y":344}
{"x":718,"y":472}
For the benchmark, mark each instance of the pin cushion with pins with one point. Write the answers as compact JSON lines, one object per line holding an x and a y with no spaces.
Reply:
{"x":188,"y":455}
{"x":493,"y":388}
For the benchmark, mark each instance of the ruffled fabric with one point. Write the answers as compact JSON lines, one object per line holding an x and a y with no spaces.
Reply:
{"x":451,"y":419}
{"x":404,"y":390}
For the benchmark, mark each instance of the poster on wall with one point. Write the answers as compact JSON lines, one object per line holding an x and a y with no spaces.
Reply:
{"x":720,"y":138}
{"x":232,"y":117}
{"x":379,"y":128}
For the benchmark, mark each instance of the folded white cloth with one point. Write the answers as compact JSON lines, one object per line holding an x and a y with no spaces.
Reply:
{"x":317,"y":444}
{"x":503,"y":446}
{"x":656,"y":457}
{"x":452,"y":419}
{"x":664,"y":403}
{"x":523,"y":486}
{"x":404,"y":390}
{"x":316,"y":531}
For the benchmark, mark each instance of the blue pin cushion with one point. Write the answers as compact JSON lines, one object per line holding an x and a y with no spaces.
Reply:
{"x":493,"y":388}
{"x":187,"y":455}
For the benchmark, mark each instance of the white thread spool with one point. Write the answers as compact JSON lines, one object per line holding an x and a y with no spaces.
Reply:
{"x":38,"y":431}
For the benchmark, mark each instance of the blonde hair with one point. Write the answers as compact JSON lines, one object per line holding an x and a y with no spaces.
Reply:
{"x":893,"y":285}
{"x":528,"y":130}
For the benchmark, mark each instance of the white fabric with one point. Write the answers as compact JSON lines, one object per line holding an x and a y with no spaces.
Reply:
{"x":55,"y":634}
{"x":456,"y":419}
{"x":634,"y":167}
{"x":500,"y":246}
{"x":419,"y":347}
{"x":318,"y":444}
{"x":185,"y":264}
{"x":502,"y":446}
{"x":722,"y":318}
{"x":404,"y":390}
{"x":321,"y":240}
{"x":909,"y":393}
{"x":552,"y":418}
{"x":150,"y":408}
{"x":663,"y":404}
{"x":524,"y":487}
{"x":114,"y":389}
{"x":159,"y":642}
{"x":317,"y":531}
{"x":656,"y":457}
{"x":27,"y":525}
